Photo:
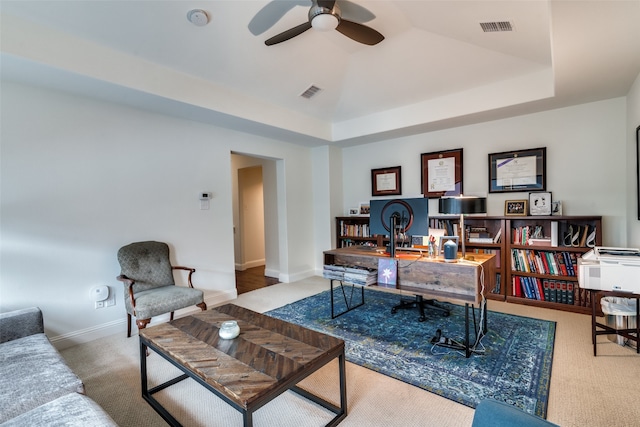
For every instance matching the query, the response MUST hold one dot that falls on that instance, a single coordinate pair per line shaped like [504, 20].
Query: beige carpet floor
[585, 391]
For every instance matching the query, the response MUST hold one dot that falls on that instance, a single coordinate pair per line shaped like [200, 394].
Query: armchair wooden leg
[171, 316]
[142, 323]
[202, 305]
[128, 325]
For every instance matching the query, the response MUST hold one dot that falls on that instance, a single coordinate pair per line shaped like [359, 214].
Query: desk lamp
[462, 205]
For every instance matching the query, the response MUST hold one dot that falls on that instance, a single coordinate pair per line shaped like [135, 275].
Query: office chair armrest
[190, 270]
[128, 284]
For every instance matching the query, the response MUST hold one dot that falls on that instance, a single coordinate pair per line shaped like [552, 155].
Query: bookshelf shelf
[353, 230]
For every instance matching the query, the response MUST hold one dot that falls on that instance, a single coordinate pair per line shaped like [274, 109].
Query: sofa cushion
[20, 323]
[32, 372]
[72, 409]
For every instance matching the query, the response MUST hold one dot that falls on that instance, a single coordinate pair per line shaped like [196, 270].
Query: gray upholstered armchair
[150, 290]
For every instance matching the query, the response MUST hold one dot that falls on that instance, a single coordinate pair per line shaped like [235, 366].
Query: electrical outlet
[111, 301]
[99, 304]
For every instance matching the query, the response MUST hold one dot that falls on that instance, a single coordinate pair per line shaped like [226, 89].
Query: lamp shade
[462, 205]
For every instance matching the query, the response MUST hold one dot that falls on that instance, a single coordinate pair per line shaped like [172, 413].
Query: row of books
[544, 262]
[523, 235]
[355, 230]
[354, 275]
[559, 291]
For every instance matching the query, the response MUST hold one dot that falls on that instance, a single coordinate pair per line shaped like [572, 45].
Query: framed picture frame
[540, 203]
[441, 173]
[556, 207]
[513, 171]
[516, 207]
[354, 211]
[365, 209]
[386, 181]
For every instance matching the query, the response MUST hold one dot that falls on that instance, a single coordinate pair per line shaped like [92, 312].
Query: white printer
[610, 269]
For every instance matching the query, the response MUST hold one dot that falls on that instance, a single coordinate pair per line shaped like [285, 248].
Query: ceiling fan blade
[360, 33]
[289, 34]
[354, 12]
[271, 13]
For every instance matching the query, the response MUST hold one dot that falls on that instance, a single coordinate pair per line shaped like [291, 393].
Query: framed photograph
[354, 211]
[365, 209]
[442, 173]
[556, 208]
[386, 181]
[515, 207]
[512, 171]
[540, 203]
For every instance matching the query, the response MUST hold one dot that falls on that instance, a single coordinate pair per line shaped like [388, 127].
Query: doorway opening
[255, 225]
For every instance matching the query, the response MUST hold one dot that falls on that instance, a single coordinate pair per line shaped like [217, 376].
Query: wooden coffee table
[269, 357]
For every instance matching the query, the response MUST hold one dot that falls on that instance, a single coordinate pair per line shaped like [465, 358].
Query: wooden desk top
[268, 357]
[459, 282]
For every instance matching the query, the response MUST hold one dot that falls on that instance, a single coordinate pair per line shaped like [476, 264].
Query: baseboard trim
[119, 326]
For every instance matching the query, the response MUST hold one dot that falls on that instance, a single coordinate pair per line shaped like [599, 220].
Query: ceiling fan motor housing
[323, 18]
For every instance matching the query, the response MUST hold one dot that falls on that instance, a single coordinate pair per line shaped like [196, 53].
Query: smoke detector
[198, 17]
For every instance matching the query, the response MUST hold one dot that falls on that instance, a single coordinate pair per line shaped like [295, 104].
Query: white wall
[633, 121]
[586, 148]
[81, 178]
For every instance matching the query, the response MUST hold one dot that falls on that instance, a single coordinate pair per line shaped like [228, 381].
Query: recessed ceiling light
[198, 17]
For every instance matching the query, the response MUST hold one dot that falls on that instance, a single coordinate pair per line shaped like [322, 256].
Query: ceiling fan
[323, 15]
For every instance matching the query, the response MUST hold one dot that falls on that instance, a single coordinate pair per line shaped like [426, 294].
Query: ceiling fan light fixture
[325, 22]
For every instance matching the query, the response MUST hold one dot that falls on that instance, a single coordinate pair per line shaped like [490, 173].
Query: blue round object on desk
[450, 251]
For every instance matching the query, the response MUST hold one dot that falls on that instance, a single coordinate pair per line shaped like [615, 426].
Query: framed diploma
[386, 181]
[512, 171]
[442, 173]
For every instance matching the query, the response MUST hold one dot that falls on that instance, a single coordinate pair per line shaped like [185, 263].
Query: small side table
[606, 330]
[350, 304]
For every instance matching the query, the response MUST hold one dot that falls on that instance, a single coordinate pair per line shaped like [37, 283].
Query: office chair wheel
[393, 310]
[445, 314]
[421, 319]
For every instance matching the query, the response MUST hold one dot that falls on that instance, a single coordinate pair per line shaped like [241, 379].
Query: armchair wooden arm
[128, 283]
[190, 270]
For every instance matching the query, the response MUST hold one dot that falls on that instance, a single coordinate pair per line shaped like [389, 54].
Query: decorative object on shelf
[523, 170]
[556, 208]
[442, 173]
[638, 167]
[365, 208]
[229, 330]
[515, 207]
[462, 206]
[386, 181]
[540, 203]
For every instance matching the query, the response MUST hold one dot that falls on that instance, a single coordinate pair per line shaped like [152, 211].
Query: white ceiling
[436, 68]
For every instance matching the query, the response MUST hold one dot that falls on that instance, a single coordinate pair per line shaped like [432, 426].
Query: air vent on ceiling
[496, 26]
[310, 92]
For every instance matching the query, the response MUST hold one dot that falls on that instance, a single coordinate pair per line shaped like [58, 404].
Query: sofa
[37, 388]
[492, 413]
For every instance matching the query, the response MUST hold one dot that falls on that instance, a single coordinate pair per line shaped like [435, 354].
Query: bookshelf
[543, 268]
[525, 260]
[353, 230]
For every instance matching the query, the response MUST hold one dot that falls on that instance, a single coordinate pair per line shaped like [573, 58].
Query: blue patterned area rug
[515, 367]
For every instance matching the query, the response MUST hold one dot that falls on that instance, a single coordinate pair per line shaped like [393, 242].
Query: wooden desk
[459, 282]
